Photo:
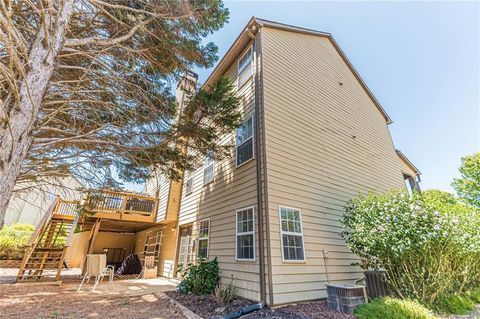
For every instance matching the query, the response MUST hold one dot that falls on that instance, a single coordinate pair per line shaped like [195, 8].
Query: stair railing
[37, 235]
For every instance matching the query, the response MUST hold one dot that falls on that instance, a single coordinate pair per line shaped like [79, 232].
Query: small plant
[226, 294]
[456, 304]
[393, 308]
[200, 278]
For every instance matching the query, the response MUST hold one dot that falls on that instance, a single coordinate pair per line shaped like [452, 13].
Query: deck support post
[91, 242]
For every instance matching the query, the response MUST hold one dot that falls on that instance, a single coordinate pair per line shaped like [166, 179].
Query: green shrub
[13, 239]
[474, 295]
[386, 308]
[428, 244]
[457, 305]
[226, 294]
[200, 278]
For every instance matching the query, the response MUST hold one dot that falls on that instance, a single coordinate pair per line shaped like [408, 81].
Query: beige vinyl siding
[163, 198]
[326, 142]
[233, 188]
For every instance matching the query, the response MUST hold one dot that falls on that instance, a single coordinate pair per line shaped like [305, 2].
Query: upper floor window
[245, 141]
[208, 169]
[292, 234]
[245, 67]
[245, 242]
[188, 182]
[203, 236]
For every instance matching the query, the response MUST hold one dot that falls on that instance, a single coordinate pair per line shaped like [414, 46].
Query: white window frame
[205, 167]
[282, 232]
[204, 238]
[189, 176]
[245, 233]
[250, 49]
[253, 143]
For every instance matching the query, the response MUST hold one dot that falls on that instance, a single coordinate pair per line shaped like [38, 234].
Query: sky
[420, 60]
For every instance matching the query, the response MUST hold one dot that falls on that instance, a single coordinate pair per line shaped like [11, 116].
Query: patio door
[185, 249]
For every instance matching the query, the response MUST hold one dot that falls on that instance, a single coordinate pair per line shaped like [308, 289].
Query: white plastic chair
[97, 267]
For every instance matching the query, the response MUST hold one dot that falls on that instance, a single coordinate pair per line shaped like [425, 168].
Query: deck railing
[66, 208]
[107, 201]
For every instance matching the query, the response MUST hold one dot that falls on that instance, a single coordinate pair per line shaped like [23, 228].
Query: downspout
[261, 244]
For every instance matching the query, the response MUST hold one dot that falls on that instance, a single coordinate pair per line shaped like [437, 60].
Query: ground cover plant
[428, 244]
[393, 308]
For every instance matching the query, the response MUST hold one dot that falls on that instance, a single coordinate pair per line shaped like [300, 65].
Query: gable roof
[408, 162]
[255, 24]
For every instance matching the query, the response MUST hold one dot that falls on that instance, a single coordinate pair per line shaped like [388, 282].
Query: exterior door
[185, 249]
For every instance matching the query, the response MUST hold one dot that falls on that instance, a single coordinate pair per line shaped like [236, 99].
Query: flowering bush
[428, 244]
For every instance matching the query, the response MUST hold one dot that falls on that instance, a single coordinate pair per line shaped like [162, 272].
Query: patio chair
[97, 267]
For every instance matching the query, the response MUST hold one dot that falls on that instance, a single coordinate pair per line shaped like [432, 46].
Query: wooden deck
[124, 206]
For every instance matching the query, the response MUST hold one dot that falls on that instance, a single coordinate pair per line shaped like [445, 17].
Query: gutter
[260, 210]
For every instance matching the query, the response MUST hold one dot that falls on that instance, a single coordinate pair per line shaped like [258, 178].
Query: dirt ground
[142, 299]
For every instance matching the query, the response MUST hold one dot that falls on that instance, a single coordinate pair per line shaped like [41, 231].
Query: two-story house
[313, 137]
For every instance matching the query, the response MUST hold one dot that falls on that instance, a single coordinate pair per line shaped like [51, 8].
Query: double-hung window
[245, 67]
[208, 169]
[292, 234]
[244, 141]
[245, 241]
[203, 236]
[188, 182]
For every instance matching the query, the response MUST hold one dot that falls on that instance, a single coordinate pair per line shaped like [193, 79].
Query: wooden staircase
[49, 242]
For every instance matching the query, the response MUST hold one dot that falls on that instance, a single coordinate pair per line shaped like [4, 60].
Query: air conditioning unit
[345, 297]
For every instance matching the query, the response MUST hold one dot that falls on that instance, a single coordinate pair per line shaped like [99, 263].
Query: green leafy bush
[393, 308]
[474, 294]
[456, 304]
[13, 239]
[200, 278]
[226, 294]
[428, 244]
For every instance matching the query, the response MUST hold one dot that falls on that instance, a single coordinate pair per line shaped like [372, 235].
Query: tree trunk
[16, 140]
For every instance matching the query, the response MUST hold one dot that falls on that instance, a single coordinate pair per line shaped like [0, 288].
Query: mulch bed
[310, 310]
[207, 307]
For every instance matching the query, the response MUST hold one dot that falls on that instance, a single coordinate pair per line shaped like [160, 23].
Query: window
[188, 182]
[411, 184]
[292, 235]
[208, 169]
[245, 242]
[245, 141]
[245, 67]
[203, 235]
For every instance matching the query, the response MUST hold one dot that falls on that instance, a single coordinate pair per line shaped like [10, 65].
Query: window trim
[282, 232]
[251, 116]
[205, 238]
[245, 233]
[213, 171]
[249, 49]
[192, 175]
